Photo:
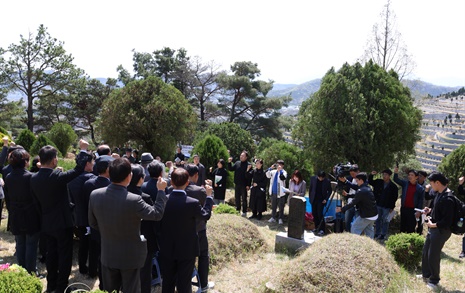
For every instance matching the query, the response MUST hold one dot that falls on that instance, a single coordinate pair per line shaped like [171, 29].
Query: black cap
[103, 161]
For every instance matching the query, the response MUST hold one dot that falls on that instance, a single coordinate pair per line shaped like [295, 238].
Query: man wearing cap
[129, 156]
[386, 194]
[145, 160]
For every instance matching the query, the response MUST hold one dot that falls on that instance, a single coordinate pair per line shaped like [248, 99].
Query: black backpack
[459, 213]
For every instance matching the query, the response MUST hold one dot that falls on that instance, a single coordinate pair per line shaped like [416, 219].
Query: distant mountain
[301, 92]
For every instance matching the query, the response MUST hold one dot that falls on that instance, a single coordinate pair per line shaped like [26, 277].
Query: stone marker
[296, 226]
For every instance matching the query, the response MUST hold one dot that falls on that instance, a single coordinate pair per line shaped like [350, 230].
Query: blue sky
[292, 41]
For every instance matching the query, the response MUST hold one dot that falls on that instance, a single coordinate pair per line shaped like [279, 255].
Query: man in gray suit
[117, 214]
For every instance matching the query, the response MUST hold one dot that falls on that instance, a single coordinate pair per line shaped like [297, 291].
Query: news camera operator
[365, 200]
[351, 183]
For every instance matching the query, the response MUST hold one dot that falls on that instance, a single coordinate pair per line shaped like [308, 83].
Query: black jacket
[23, 209]
[365, 201]
[240, 171]
[385, 197]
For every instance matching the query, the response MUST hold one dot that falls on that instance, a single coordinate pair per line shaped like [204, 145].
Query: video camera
[341, 170]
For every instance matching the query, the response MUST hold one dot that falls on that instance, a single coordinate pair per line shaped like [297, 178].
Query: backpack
[459, 213]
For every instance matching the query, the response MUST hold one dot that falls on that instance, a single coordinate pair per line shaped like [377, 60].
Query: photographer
[439, 224]
[365, 200]
[351, 213]
[277, 176]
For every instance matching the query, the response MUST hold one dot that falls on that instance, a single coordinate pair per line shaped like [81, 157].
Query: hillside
[301, 92]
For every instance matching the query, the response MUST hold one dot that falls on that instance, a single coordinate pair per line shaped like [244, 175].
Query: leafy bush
[40, 142]
[406, 248]
[26, 138]
[63, 136]
[452, 167]
[225, 209]
[16, 279]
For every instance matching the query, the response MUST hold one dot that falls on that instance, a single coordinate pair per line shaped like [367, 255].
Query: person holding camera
[366, 203]
[277, 176]
[351, 183]
[439, 223]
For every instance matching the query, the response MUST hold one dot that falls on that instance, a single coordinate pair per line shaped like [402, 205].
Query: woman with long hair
[297, 185]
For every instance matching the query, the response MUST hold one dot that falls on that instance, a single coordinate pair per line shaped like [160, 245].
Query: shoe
[259, 217]
[382, 237]
[321, 232]
[271, 220]
[420, 276]
[280, 222]
[244, 214]
[253, 217]
[211, 285]
[462, 254]
[432, 286]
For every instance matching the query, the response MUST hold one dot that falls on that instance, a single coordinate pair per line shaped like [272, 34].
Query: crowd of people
[119, 210]
[127, 210]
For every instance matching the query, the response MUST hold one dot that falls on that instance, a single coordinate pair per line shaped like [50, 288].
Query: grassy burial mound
[233, 237]
[341, 263]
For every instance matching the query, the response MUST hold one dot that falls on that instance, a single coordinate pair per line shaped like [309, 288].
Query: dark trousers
[204, 258]
[126, 280]
[26, 250]
[59, 258]
[146, 272]
[83, 252]
[177, 273]
[240, 194]
[430, 262]
[407, 220]
[317, 209]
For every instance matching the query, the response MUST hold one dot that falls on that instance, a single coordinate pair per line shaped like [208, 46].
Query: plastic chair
[156, 279]
[195, 274]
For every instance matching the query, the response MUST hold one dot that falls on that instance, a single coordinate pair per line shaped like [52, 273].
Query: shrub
[16, 279]
[326, 264]
[225, 209]
[406, 249]
[231, 237]
[26, 138]
[40, 142]
[63, 136]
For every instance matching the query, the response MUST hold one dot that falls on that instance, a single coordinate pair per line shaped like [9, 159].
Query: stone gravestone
[296, 224]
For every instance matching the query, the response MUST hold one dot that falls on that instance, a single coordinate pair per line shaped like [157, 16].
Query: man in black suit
[202, 175]
[200, 193]
[48, 186]
[179, 242]
[319, 192]
[80, 208]
[103, 180]
[241, 181]
[117, 214]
